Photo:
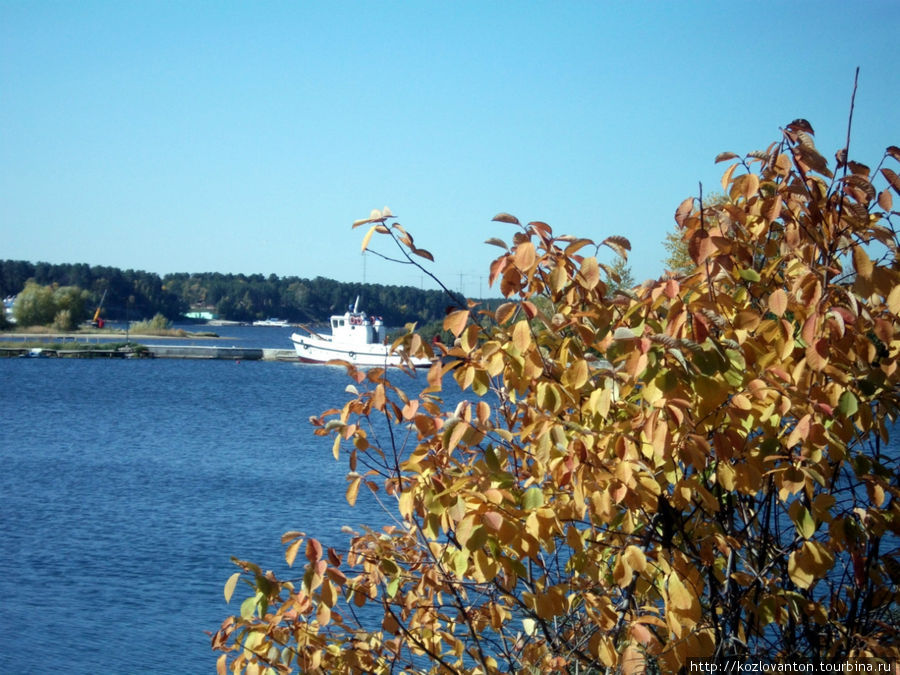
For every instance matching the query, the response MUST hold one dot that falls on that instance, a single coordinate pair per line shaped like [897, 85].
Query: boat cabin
[356, 328]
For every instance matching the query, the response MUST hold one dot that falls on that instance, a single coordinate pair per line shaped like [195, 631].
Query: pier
[222, 353]
[156, 351]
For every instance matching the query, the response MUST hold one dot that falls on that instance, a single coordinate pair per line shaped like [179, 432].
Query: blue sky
[248, 136]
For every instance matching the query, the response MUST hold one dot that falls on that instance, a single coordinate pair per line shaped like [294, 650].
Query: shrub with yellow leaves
[697, 467]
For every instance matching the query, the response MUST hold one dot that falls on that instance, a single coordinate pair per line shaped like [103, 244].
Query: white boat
[356, 338]
[279, 323]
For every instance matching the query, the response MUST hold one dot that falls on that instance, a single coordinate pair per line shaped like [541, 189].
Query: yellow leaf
[810, 562]
[725, 476]
[558, 278]
[365, 241]
[622, 572]
[862, 263]
[726, 178]
[893, 300]
[797, 572]
[353, 490]
[635, 558]
[290, 552]
[230, 584]
[599, 401]
[679, 596]
[576, 375]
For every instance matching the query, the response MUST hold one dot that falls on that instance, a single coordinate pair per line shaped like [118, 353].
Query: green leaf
[532, 499]
[392, 586]
[802, 520]
[247, 607]
[847, 404]
[749, 275]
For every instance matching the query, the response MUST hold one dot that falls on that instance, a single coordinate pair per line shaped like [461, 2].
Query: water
[126, 487]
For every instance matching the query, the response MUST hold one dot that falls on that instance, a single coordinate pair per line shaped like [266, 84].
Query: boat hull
[311, 349]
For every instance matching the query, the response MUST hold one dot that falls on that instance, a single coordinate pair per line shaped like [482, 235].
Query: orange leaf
[683, 211]
[455, 322]
[290, 552]
[778, 301]
[589, 275]
[521, 335]
[525, 256]
[313, 550]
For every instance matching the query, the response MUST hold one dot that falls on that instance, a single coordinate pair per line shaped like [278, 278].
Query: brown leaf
[422, 253]
[725, 156]
[840, 157]
[504, 312]
[858, 169]
[506, 218]
[810, 157]
[618, 244]
[863, 185]
[493, 241]
[893, 179]
[894, 152]
[800, 125]
[541, 227]
[885, 200]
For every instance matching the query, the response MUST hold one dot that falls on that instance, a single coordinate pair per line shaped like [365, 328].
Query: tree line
[134, 294]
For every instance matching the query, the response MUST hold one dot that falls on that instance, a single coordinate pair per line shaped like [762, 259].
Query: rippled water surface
[127, 485]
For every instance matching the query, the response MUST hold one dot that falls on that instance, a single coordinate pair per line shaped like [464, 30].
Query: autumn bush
[696, 467]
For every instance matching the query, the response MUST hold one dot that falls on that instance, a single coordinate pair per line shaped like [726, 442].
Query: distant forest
[133, 295]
